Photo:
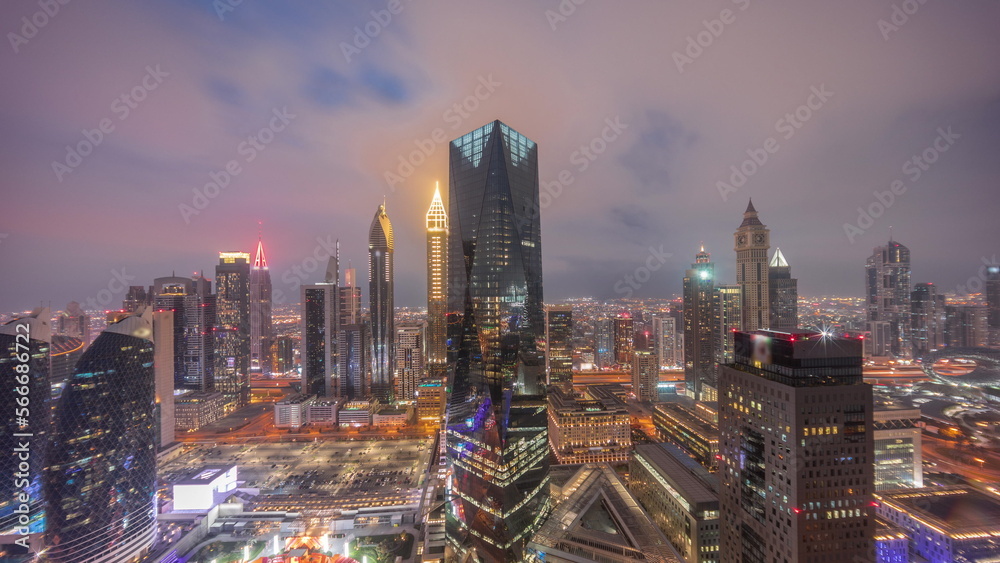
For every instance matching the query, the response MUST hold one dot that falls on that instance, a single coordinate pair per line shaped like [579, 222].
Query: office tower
[796, 475]
[24, 369]
[354, 358]
[728, 316]
[380, 306]
[75, 322]
[431, 396]
[666, 341]
[282, 354]
[193, 304]
[888, 295]
[320, 323]
[965, 326]
[100, 482]
[604, 344]
[497, 438]
[993, 303]
[437, 281]
[690, 426]
[594, 428]
[623, 333]
[645, 376]
[752, 243]
[232, 348]
[137, 296]
[898, 448]
[409, 364]
[680, 496]
[260, 312]
[699, 325]
[64, 353]
[350, 299]
[927, 319]
[163, 373]
[559, 346]
[783, 294]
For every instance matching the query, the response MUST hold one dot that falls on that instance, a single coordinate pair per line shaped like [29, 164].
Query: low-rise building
[679, 423]
[292, 412]
[431, 393]
[898, 457]
[198, 408]
[391, 417]
[591, 428]
[357, 413]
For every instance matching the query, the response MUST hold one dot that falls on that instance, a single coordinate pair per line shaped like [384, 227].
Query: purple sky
[556, 79]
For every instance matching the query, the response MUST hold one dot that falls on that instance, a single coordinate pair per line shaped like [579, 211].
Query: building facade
[196, 409]
[594, 428]
[753, 240]
[319, 353]
[232, 348]
[645, 376]
[699, 325]
[559, 345]
[410, 361]
[927, 318]
[437, 281]
[261, 331]
[381, 310]
[888, 289]
[783, 294]
[898, 448]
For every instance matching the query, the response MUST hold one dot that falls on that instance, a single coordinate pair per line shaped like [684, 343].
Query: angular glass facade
[496, 429]
[24, 370]
[380, 306]
[232, 351]
[100, 482]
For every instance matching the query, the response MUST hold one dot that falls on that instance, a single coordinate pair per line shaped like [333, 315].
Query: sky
[655, 121]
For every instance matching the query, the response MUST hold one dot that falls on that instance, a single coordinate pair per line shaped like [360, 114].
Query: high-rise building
[888, 295]
[752, 243]
[592, 428]
[137, 296]
[496, 438]
[232, 348]
[282, 354]
[260, 312]
[559, 346]
[163, 372]
[623, 329]
[645, 376]
[320, 309]
[380, 306]
[699, 325]
[24, 369]
[437, 281]
[350, 299]
[783, 294]
[354, 358]
[927, 319]
[604, 344]
[193, 304]
[965, 325]
[100, 482]
[64, 353]
[74, 322]
[409, 363]
[796, 474]
[898, 448]
[728, 316]
[992, 290]
[666, 342]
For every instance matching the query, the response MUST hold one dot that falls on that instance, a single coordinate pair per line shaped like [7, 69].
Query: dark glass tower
[699, 317]
[24, 370]
[193, 304]
[260, 312]
[380, 306]
[320, 324]
[496, 428]
[100, 482]
[783, 293]
[888, 294]
[927, 319]
[232, 350]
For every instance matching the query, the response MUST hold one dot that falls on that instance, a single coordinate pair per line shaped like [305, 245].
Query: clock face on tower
[758, 238]
[741, 240]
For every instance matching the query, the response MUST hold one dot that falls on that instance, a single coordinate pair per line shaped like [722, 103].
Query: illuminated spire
[437, 218]
[702, 257]
[260, 263]
[778, 260]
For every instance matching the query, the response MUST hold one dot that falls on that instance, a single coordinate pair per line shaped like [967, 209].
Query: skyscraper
[783, 293]
[437, 281]
[752, 243]
[354, 358]
[699, 317]
[645, 376]
[965, 325]
[409, 363]
[888, 295]
[350, 298]
[320, 325]
[993, 303]
[496, 428]
[380, 305]
[75, 322]
[100, 482]
[604, 347]
[232, 350]
[796, 476]
[163, 372]
[559, 346]
[623, 330]
[260, 312]
[728, 316]
[24, 369]
[667, 344]
[193, 304]
[927, 319]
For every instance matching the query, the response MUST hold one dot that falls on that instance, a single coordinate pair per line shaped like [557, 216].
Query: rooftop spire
[437, 217]
[778, 260]
[260, 262]
[750, 208]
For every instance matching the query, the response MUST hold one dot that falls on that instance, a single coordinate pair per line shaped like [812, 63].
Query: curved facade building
[380, 306]
[24, 370]
[100, 481]
[497, 435]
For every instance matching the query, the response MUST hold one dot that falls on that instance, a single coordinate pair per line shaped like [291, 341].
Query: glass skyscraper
[100, 482]
[260, 312]
[380, 306]
[888, 288]
[699, 312]
[497, 427]
[232, 351]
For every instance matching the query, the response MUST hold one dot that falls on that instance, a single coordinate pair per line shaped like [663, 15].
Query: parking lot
[342, 467]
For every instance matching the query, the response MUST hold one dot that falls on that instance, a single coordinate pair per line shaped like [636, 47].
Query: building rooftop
[205, 474]
[954, 509]
[689, 477]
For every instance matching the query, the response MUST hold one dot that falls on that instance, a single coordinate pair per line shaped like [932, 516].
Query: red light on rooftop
[797, 510]
[874, 503]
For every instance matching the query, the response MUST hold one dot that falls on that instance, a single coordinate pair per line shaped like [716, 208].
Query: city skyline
[666, 138]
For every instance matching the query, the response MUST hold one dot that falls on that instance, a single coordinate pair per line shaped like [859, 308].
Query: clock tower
[753, 241]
